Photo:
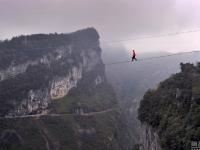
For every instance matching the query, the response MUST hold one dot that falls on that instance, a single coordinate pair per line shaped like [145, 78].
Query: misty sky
[114, 20]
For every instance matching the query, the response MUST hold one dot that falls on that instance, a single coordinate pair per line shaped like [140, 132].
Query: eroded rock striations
[59, 74]
[149, 138]
[60, 65]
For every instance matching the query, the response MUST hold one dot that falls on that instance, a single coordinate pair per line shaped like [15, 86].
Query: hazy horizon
[114, 20]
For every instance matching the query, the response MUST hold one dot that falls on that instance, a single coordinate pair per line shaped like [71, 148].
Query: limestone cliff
[59, 74]
[60, 64]
[149, 138]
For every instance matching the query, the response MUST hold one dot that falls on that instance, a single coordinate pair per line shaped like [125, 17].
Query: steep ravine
[132, 80]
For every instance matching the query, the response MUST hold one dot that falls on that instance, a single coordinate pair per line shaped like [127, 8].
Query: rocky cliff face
[61, 66]
[57, 74]
[149, 138]
[170, 113]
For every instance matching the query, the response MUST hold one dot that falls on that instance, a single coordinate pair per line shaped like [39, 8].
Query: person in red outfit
[134, 56]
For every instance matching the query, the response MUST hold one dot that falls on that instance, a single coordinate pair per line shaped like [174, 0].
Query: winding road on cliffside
[63, 114]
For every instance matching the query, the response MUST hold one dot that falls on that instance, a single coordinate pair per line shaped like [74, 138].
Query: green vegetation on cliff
[25, 48]
[22, 49]
[70, 132]
[173, 109]
[86, 117]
